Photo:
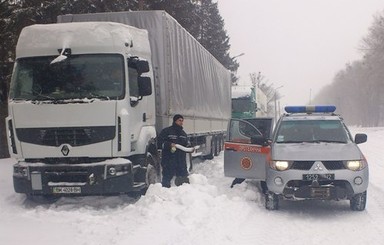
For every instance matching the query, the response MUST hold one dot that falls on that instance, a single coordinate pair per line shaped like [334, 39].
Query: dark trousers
[170, 170]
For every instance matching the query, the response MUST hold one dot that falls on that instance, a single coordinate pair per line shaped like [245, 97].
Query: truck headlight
[356, 165]
[280, 165]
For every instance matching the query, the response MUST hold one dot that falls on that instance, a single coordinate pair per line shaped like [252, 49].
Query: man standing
[173, 160]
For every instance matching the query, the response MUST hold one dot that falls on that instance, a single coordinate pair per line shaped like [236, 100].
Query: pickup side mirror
[145, 87]
[360, 138]
[259, 140]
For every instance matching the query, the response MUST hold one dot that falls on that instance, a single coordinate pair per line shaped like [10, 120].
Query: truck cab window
[77, 77]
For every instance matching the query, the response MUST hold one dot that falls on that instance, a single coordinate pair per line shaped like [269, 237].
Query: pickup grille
[333, 165]
[306, 165]
[74, 136]
[302, 165]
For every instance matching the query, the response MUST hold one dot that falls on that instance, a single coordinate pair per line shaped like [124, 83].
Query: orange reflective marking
[247, 148]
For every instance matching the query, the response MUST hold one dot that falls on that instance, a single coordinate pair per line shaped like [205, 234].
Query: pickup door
[246, 150]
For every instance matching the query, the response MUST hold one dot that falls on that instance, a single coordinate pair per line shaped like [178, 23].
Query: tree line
[358, 89]
[201, 18]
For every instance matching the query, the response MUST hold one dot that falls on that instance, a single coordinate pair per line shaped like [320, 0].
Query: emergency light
[310, 109]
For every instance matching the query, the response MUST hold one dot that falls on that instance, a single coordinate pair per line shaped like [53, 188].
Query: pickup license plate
[66, 189]
[312, 177]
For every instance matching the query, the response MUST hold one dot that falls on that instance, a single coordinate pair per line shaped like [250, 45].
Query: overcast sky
[297, 44]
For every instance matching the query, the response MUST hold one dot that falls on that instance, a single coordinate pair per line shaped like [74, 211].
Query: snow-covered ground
[205, 212]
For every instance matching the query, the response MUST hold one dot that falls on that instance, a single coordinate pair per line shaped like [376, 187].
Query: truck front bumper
[101, 178]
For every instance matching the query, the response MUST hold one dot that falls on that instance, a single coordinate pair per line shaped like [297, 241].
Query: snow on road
[205, 212]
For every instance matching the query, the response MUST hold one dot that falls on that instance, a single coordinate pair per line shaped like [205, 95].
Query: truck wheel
[271, 201]
[152, 174]
[358, 201]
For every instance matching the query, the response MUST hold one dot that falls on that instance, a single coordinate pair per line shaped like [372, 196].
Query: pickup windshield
[98, 76]
[312, 131]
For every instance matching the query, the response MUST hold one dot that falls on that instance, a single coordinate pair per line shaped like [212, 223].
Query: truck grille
[74, 136]
[306, 165]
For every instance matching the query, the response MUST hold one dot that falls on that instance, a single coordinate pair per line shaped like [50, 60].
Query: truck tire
[271, 201]
[152, 175]
[358, 201]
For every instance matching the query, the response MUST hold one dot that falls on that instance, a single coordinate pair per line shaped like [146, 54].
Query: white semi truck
[89, 97]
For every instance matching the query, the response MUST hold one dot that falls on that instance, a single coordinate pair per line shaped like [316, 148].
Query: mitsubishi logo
[318, 167]
[65, 150]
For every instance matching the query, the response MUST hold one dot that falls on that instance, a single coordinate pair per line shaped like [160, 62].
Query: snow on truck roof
[83, 37]
[241, 92]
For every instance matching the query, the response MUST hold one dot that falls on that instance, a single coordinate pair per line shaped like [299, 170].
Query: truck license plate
[66, 189]
[312, 177]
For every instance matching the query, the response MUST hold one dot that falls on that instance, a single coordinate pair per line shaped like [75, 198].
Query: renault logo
[318, 167]
[65, 150]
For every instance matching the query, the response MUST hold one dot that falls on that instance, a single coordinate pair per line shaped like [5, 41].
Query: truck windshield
[297, 131]
[77, 77]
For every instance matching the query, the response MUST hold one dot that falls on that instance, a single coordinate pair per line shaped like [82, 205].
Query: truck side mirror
[145, 87]
[360, 138]
[142, 66]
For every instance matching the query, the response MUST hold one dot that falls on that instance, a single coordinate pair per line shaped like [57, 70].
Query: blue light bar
[310, 109]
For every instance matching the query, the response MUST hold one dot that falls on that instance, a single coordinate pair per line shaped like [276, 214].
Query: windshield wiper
[98, 96]
[290, 142]
[333, 141]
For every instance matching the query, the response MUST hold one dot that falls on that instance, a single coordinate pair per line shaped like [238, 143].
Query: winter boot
[179, 180]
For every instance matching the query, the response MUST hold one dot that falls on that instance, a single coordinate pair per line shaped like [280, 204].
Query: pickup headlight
[280, 165]
[356, 165]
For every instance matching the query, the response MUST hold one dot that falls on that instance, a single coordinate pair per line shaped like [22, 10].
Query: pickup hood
[48, 115]
[315, 151]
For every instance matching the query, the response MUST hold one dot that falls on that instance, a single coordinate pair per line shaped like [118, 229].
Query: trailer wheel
[211, 153]
[216, 146]
[220, 143]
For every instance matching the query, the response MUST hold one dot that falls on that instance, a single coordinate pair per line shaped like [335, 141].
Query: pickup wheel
[358, 201]
[271, 201]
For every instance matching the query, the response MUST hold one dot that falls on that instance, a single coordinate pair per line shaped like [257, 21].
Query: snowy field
[205, 212]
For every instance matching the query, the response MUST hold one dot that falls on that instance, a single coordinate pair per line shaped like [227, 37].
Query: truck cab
[81, 94]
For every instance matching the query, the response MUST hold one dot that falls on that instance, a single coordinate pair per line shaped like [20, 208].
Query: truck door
[245, 154]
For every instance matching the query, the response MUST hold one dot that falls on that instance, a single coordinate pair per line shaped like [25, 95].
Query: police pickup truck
[310, 155]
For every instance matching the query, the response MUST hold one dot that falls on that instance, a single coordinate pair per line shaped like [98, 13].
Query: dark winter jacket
[173, 134]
